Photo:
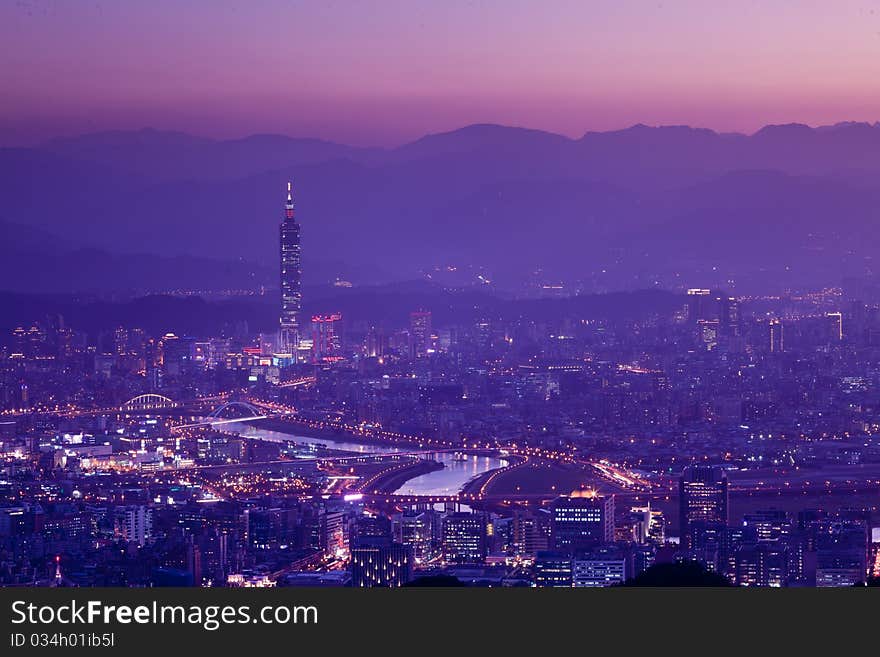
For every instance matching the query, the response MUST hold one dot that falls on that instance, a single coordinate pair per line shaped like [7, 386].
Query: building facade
[291, 277]
[703, 497]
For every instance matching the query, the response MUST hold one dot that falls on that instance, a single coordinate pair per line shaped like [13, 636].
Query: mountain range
[646, 206]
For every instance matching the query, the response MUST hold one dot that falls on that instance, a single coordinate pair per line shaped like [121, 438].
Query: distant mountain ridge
[617, 209]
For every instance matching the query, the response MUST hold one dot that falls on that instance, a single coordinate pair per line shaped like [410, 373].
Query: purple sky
[379, 73]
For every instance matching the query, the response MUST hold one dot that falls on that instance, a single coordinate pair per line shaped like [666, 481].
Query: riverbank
[291, 426]
[447, 472]
[389, 482]
[475, 486]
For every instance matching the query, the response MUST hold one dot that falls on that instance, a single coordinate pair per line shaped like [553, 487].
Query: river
[448, 481]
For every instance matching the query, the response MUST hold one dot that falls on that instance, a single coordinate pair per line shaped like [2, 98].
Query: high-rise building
[120, 340]
[464, 538]
[841, 552]
[707, 543]
[702, 496]
[334, 538]
[134, 523]
[531, 532]
[582, 520]
[730, 316]
[269, 528]
[371, 526]
[761, 564]
[552, 569]
[698, 304]
[291, 277]
[414, 528]
[771, 525]
[325, 337]
[375, 343]
[640, 518]
[835, 326]
[708, 331]
[776, 336]
[419, 333]
[379, 562]
[603, 566]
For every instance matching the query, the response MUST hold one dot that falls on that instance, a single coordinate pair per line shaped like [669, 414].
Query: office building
[761, 564]
[581, 520]
[699, 304]
[730, 316]
[552, 569]
[703, 496]
[776, 336]
[771, 525]
[134, 523]
[326, 346]
[600, 567]
[413, 528]
[464, 538]
[380, 562]
[419, 333]
[841, 552]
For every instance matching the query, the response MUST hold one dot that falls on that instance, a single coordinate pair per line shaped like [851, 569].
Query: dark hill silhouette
[436, 581]
[686, 573]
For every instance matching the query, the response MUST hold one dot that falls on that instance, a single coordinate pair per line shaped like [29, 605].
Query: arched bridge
[148, 402]
[220, 416]
[218, 412]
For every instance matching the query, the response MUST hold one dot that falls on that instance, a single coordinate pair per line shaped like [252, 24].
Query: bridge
[296, 383]
[148, 402]
[461, 498]
[216, 416]
[235, 404]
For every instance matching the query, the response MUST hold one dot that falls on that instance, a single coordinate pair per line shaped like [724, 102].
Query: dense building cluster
[769, 401]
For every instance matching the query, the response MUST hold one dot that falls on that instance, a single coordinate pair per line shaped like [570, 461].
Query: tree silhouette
[435, 580]
[685, 573]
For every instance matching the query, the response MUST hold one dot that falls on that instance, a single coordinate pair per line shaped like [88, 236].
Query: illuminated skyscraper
[703, 497]
[835, 326]
[464, 538]
[291, 277]
[325, 338]
[379, 562]
[420, 333]
[603, 566]
[730, 316]
[552, 569]
[841, 552]
[581, 520]
[776, 335]
[698, 302]
[708, 333]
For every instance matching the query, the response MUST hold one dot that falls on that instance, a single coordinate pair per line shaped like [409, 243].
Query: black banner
[400, 621]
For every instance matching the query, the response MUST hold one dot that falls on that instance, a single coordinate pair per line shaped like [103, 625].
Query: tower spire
[288, 206]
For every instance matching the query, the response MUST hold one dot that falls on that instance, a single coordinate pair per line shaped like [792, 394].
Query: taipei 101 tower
[291, 277]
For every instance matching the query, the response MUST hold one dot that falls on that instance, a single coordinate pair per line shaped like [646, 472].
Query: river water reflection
[447, 481]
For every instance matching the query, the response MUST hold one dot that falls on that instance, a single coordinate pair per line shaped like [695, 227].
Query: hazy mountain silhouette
[164, 155]
[32, 260]
[651, 200]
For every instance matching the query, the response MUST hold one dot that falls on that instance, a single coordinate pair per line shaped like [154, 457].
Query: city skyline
[501, 312]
